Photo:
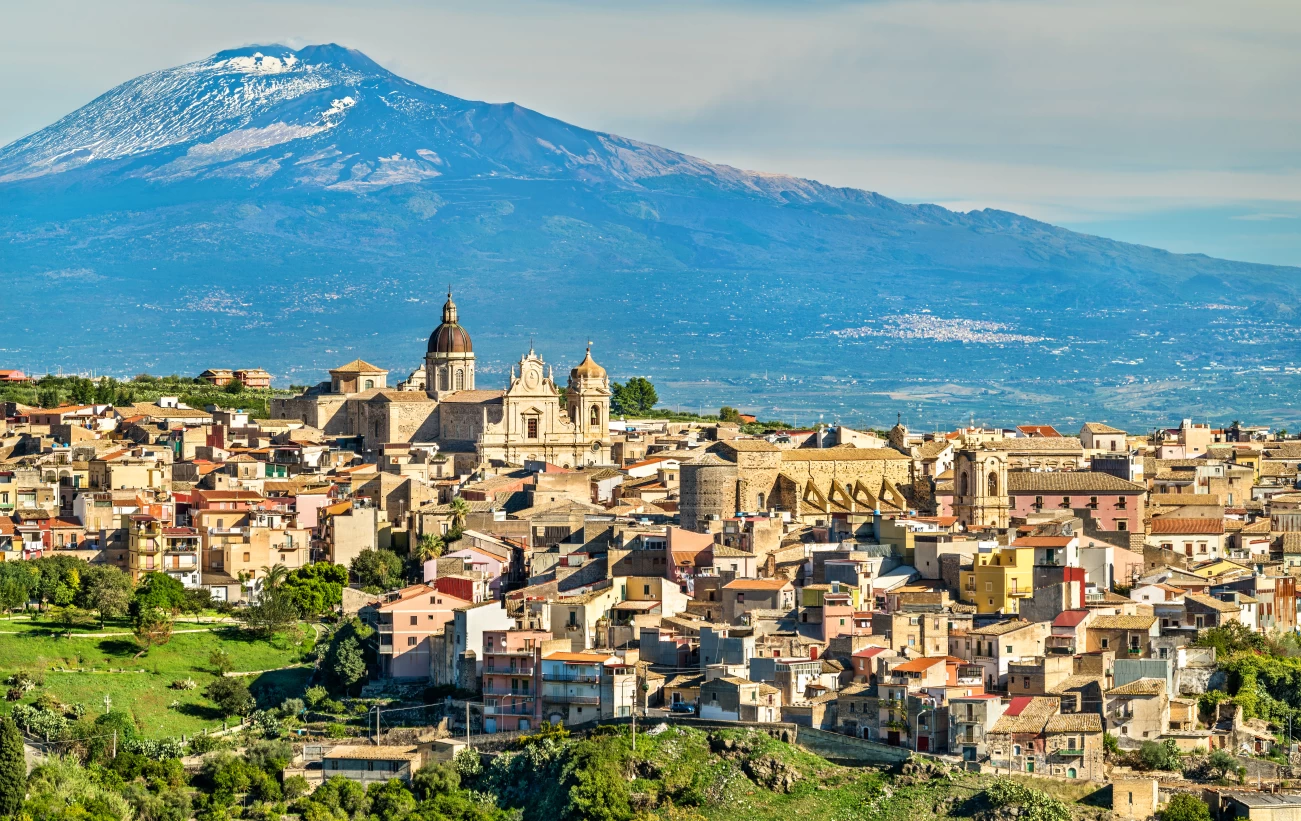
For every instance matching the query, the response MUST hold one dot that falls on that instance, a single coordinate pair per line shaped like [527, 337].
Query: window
[1120, 503]
[1105, 643]
[246, 557]
[411, 641]
[443, 379]
[532, 425]
[1038, 502]
[370, 383]
[594, 416]
[993, 483]
[1066, 502]
[760, 500]
[1008, 649]
[962, 484]
[1121, 524]
[415, 620]
[1016, 749]
[1093, 502]
[460, 379]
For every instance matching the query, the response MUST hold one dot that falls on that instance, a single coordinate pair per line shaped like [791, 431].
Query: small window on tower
[595, 419]
[532, 425]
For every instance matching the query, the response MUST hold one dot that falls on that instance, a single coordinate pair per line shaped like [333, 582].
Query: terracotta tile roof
[1188, 527]
[756, 584]
[475, 397]
[1212, 602]
[842, 454]
[1070, 618]
[1071, 443]
[1043, 541]
[919, 665]
[1077, 481]
[358, 366]
[579, 658]
[1122, 622]
[1139, 687]
[1031, 717]
[1098, 427]
[999, 629]
[1074, 723]
[366, 752]
[1073, 683]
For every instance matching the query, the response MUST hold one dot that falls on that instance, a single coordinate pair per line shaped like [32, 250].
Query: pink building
[406, 621]
[512, 671]
[1113, 503]
[839, 618]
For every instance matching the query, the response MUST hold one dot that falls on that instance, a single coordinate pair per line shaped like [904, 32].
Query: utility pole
[467, 721]
[115, 744]
[634, 728]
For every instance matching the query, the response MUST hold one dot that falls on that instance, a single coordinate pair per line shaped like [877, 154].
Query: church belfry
[588, 399]
[449, 362]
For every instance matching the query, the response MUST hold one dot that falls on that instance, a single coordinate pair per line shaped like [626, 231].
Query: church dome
[587, 369]
[450, 337]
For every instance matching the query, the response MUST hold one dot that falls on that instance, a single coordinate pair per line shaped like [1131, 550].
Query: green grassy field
[77, 670]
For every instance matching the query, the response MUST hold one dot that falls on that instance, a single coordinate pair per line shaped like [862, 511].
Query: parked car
[682, 707]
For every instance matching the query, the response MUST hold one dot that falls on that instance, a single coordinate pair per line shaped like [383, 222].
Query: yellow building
[999, 579]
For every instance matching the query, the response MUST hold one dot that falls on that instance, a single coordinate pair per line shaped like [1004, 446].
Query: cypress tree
[13, 768]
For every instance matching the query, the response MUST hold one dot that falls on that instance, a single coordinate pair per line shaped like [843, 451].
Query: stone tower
[588, 399]
[449, 362]
[980, 496]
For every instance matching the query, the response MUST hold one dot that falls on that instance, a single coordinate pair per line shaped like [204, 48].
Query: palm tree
[460, 509]
[429, 547]
[273, 577]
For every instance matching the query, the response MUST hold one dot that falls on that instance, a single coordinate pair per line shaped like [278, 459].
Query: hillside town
[1020, 599]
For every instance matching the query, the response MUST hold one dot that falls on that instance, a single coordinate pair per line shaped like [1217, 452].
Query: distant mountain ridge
[247, 202]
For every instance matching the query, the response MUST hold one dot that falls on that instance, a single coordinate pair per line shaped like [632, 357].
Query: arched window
[442, 379]
[460, 379]
[962, 484]
[993, 483]
[760, 501]
[370, 383]
[595, 416]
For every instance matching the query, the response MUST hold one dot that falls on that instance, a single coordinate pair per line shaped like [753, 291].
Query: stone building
[844, 485]
[471, 427]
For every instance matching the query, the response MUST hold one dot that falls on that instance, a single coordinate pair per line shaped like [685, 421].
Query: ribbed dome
[587, 369]
[450, 337]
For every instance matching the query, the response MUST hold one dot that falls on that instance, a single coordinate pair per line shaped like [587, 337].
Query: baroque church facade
[528, 420]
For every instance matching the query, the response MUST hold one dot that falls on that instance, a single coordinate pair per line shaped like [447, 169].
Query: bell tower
[588, 399]
[980, 495]
[449, 362]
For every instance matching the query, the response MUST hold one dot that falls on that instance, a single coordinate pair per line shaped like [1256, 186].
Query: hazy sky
[1176, 124]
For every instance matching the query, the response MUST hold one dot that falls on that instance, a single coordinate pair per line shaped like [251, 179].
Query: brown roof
[1074, 723]
[1122, 622]
[367, 752]
[475, 397]
[756, 584]
[1188, 527]
[1098, 427]
[842, 454]
[1031, 719]
[1082, 481]
[999, 629]
[1071, 443]
[1212, 602]
[1139, 687]
[358, 366]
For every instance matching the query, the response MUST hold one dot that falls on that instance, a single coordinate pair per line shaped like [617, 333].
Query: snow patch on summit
[259, 63]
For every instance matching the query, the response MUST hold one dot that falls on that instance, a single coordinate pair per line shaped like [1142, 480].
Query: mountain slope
[297, 206]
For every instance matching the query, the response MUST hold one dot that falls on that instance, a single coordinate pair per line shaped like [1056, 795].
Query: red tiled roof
[1188, 527]
[1070, 618]
[1018, 704]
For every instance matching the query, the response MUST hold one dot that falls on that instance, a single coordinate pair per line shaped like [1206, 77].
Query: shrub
[337, 730]
[1185, 807]
[1034, 805]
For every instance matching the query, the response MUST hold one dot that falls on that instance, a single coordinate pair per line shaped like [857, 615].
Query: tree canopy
[635, 396]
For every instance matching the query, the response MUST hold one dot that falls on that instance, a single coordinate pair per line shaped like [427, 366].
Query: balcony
[566, 698]
[507, 692]
[386, 649]
[1070, 752]
[385, 628]
[585, 678]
